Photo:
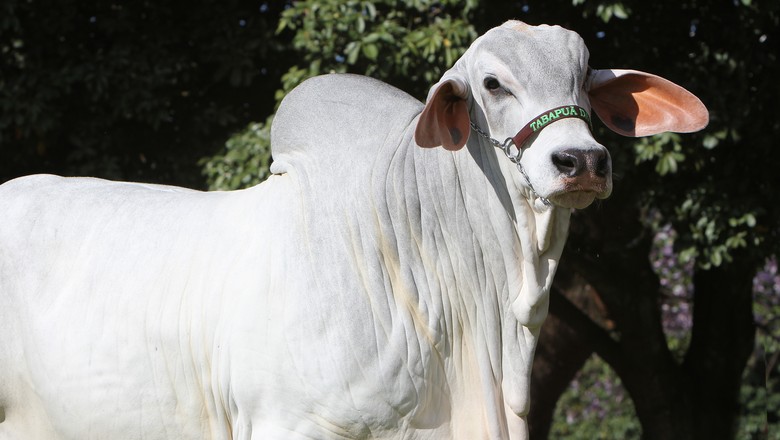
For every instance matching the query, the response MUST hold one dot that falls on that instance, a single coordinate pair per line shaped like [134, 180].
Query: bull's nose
[573, 162]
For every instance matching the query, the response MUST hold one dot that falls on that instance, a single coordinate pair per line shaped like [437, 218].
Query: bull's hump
[340, 118]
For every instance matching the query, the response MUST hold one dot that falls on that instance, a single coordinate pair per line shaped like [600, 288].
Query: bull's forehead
[550, 59]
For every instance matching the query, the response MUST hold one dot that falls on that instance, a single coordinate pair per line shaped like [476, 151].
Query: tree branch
[599, 339]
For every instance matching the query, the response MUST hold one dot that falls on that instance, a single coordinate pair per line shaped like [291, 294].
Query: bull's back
[111, 300]
[55, 228]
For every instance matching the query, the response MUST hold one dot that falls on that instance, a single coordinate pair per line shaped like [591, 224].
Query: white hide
[369, 289]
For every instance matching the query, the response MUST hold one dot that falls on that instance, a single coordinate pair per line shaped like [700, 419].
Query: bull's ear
[634, 103]
[445, 119]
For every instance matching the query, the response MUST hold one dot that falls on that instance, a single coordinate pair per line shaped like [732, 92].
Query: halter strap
[547, 118]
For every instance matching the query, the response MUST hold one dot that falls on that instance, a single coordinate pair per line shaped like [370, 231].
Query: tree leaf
[371, 51]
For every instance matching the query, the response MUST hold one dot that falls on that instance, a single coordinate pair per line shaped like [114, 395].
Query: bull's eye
[492, 83]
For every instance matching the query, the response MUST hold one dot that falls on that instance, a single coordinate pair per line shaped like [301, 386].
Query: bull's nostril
[573, 162]
[603, 166]
[566, 163]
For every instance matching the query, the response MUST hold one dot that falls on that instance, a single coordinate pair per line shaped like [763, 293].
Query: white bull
[369, 289]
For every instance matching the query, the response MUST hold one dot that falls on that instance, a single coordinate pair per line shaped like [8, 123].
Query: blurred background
[665, 316]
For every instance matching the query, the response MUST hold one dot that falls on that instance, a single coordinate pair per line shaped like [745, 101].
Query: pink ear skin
[634, 103]
[445, 119]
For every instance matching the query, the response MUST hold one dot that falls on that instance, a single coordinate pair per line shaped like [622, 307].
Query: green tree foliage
[760, 390]
[417, 39]
[245, 159]
[697, 177]
[596, 406]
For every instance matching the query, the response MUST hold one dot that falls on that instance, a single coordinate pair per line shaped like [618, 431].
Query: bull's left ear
[634, 103]
[445, 119]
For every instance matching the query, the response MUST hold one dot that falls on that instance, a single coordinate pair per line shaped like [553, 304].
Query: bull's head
[529, 90]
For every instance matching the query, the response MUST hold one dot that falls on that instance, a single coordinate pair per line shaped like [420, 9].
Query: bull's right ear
[445, 119]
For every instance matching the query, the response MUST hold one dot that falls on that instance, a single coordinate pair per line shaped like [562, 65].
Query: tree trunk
[641, 357]
[560, 354]
[610, 248]
[695, 400]
[723, 339]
